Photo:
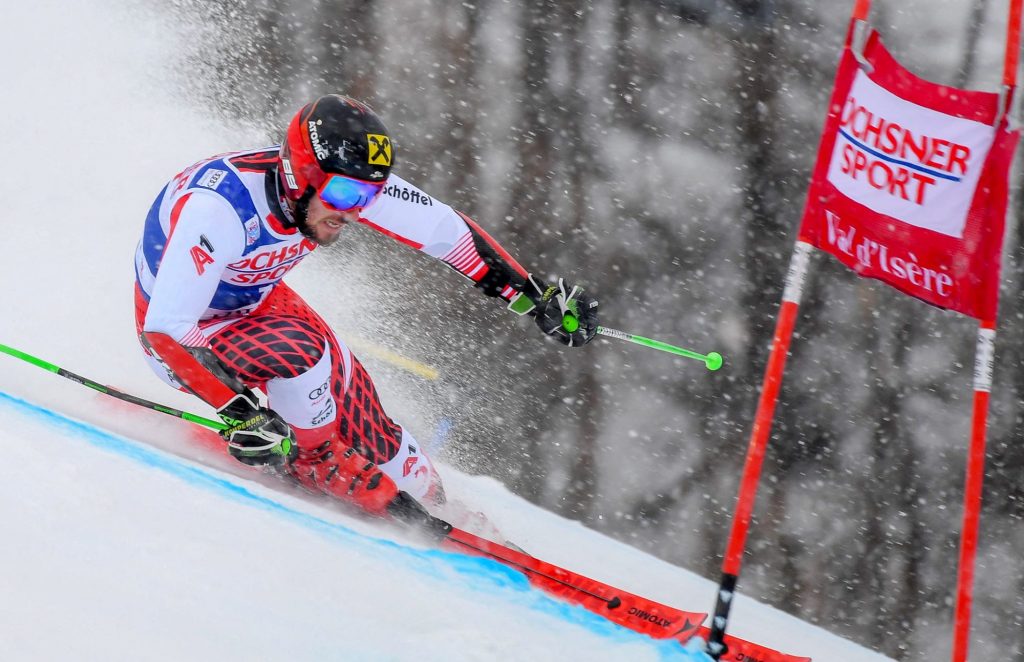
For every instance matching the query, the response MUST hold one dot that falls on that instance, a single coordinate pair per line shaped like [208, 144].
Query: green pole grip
[28, 358]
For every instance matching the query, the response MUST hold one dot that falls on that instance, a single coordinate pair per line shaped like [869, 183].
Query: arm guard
[494, 271]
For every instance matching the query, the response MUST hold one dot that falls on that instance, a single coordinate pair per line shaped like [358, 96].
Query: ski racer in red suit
[216, 319]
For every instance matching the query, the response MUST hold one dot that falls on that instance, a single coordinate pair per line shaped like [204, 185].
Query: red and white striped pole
[762, 427]
[758, 444]
[983, 360]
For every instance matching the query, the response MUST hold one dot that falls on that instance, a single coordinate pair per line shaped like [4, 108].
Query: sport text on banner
[910, 183]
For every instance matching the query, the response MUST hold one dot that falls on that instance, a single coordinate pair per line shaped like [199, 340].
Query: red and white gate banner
[910, 183]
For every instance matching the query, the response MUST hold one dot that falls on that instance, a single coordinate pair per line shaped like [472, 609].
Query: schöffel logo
[406, 194]
[314, 139]
[324, 415]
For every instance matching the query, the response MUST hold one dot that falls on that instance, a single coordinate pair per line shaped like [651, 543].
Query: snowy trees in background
[659, 151]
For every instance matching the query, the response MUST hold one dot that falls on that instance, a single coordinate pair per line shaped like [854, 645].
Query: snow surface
[118, 549]
[130, 552]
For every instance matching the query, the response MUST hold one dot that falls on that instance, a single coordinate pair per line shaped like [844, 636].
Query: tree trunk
[462, 37]
[348, 45]
[965, 73]
[529, 211]
[895, 537]
[580, 494]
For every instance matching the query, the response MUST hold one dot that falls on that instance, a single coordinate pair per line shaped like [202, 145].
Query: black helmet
[334, 135]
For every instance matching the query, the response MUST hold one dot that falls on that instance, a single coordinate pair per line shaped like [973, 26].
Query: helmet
[334, 135]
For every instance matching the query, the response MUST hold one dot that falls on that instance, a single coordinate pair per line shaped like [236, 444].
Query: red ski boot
[344, 474]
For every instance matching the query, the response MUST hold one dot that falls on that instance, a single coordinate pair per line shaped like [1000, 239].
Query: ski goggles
[342, 193]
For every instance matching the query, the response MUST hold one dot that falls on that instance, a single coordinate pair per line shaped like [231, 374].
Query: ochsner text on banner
[908, 162]
[910, 183]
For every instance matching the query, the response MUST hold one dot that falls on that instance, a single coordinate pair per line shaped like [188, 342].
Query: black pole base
[716, 639]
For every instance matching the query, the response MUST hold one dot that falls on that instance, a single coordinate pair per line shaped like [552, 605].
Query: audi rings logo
[319, 391]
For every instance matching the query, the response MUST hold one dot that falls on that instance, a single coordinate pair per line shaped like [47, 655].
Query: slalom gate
[910, 188]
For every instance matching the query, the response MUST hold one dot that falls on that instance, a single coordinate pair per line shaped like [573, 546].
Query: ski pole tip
[713, 361]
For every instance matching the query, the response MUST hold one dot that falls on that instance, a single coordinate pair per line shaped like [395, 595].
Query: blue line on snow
[429, 562]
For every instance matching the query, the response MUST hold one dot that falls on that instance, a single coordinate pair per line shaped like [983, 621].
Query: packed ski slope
[132, 552]
[126, 536]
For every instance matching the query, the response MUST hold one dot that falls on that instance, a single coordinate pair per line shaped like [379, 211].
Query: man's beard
[310, 233]
[307, 231]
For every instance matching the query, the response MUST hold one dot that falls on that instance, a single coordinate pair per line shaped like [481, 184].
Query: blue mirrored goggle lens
[343, 193]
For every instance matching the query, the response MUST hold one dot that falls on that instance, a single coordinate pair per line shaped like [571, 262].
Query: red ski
[626, 609]
[630, 611]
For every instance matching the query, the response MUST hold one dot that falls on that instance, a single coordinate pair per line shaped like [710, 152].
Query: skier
[215, 318]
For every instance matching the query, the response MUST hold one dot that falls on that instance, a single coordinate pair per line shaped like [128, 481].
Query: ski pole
[712, 360]
[112, 392]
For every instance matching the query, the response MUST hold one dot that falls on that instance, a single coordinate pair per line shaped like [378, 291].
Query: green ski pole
[712, 360]
[114, 393]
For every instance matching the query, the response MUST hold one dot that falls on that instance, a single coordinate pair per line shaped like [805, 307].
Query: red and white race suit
[209, 267]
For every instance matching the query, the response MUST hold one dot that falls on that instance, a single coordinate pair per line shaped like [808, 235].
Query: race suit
[215, 317]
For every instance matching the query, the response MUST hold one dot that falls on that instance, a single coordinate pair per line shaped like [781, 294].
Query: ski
[620, 607]
[631, 611]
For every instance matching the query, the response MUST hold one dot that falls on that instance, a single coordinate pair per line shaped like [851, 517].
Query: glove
[255, 436]
[564, 312]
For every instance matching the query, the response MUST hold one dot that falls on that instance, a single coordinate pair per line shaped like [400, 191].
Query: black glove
[255, 436]
[564, 312]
